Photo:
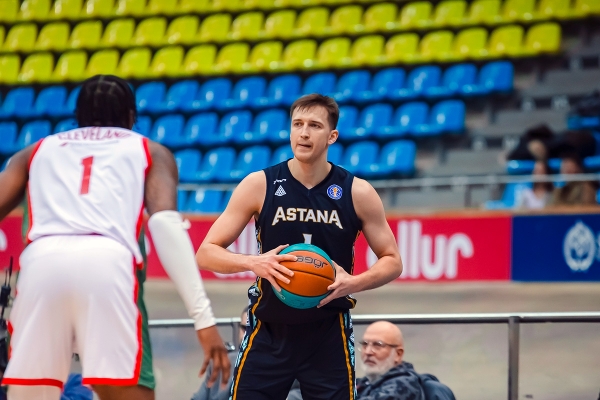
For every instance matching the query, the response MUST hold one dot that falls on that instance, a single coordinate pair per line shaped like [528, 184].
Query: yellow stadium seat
[401, 48]
[345, 19]
[2, 34]
[298, 54]
[484, 12]
[553, 9]
[415, 15]
[9, 68]
[227, 5]
[215, 28]
[86, 35]
[199, 60]
[470, 43]
[99, 8]
[264, 56]
[53, 36]
[518, 10]
[280, 24]
[130, 7]
[157, 7]
[583, 8]
[134, 63]
[21, 37]
[34, 9]
[246, 26]
[449, 13]
[505, 41]
[166, 62]
[366, 50]
[37, 68]
[118, 33]
[542, 38]
[380, 17]
[332, 52]
[103, 62]
[231, 58]
[262, 4]
[9, 10]
[189, 6]
[70, 67]
[297, 3]
[436, 46]
[182, 30]
[66, 9]
[150, 32]
[312, 21]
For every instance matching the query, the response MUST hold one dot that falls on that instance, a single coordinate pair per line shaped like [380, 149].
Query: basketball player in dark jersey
[303, 200]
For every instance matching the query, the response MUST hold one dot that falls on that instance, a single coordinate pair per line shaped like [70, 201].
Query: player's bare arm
[380, 238]
[245, 203]
[13, 181]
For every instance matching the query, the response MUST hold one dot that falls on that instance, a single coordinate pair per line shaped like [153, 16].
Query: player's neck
[309, 174]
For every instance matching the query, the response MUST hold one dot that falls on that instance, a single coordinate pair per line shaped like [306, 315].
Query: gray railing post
[513, 358]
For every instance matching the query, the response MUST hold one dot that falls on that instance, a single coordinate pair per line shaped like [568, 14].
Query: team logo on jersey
[279, 180]
[335, 192]
[280, 192]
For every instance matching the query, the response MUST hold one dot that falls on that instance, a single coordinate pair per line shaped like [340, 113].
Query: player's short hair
[105, 100]
[318, 100]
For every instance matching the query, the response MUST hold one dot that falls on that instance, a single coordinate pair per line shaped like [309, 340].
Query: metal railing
[513, 320]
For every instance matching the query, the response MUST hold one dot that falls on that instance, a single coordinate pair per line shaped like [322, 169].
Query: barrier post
[513, 358]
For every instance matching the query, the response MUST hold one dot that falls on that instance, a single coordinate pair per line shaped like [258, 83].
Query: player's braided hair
[105, 100]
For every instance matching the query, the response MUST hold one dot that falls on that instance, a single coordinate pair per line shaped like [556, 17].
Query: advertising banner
[556, 248]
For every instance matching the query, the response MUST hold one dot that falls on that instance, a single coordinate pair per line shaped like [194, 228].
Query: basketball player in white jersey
[77, 290]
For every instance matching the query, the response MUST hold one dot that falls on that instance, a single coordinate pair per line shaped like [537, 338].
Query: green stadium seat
[199, 60]
[436, 46]
[34, 10]
[118, 33]
[366, 50]
[158, 7]
[2, 35]
[66, 9]
[215, 28]
[298, 54]
[401, 48]
[262, 4]
[134, 63]
[130, 7]
[583, 8]
[449, 13]
[103, 62]
[99, 8]
[21, 37]
[332, 52]
[415, 15]
[470, 43]
[297, 3]
[231, 58]
[70, 67]
[505, 41]
[380, 17]
[228, 5]
[246, 26]
[191, 6]
[9, 10]
[166, 62]
[264, 57]
[150, 32]
[280, 24]
[37, 68]
[344, 20]
[542, 38]
[312, 21]
[548, 9]
[53, 36]
[182, 30]
[518, 10]
[9, 68]
[86, 35]
[484, 12]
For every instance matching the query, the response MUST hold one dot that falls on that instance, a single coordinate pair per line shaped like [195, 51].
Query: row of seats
[204, 201]
[370, 50]
[419, 13]
[255, 92]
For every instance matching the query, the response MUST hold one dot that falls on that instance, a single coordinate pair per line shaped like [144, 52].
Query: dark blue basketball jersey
[323, 216]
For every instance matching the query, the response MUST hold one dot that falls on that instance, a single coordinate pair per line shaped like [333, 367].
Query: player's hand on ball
[268, 266]
[215, 351]
[343, 285]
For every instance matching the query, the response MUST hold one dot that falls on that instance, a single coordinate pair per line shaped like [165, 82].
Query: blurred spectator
[532, 145]
[582, 143]
[574, 193]
[387, 376]
[537, 197]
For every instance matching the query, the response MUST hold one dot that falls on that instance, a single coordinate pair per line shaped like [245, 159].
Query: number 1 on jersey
[87, 174]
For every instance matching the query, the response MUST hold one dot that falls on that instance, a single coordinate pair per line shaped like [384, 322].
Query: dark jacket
[399, 383]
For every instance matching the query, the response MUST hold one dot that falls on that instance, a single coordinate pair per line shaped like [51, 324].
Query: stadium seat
[379, 17]
[69, 108]
[418, 82]
[322, 83]
[283, 89]
[199, 60]
[130, 7]
[518, 10]
[142, 125]
[9, 10]
[134, 63]
[298, 54]
[233, 125]
[229, 5]
[542, 38]
[246, 26]
[211, 94]
[370, 120]
[455, 78]
[53, 36]
[31, 132]
[493, 77]
[415, 15]
[346, 122]
[206, 201]
[519, 167]
[9, 68]
[150, 32]
[65, 125]
[383, 83]
[469, 43]
[8, 136]
[331, 53]
[264, 56]
[582, 8]
[21, 37]
[592, 163]
[167, 130]
[216, 163]
[34, 10]
[66, 9]
[446, 117]
[405, 120]
[149, 96]
[351, 83]
[505, 41]
[281, 154]
[180, 93]
[182, 29]
[509, 196]
[215, 28]
[18, 102]
[250, 159]
[50, 101]
[311, 22]
[267, 124]
[449, 13]
[231, 58]
[359, 156]
[188, 162]
[37, 67]
[436, 46]
[401, 49]
[161, 7]
[99, 8]
[2, 35]
[182, 200]
[280, 24]
[197, 127]
[344, 20]
[484, 12]
[244, 92]
[366, 50]
[194, 6]
[86, 35]
[548, 9]
[166, 62]
[334, 153]
[118, 33]
[396, 159]
[103, 62]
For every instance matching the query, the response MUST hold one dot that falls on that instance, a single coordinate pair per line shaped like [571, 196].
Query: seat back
[32, 132]
[296, 53]
[188, 162]
[284, 86]
[231, 57]
[553, 8]
[249, 88]
[130, 7]
[21, 37]
[18, 101]
[353, 82]
[398, 157]
[280, 24]
[50, 100]
[37, 67]
[366, 49]
[470, 43]
[86, 35]
[543, 38]
[359, 156]
[459, 75]
[281, 154]
[518, 10]
[215, 90]
[53, 36]
[422, 78]
[200, 126]
[247, 26]
[9, 10]
[344, 19]
[435, 44]
[375, 116]
[410, 115]
[401, 47]
[332, 51]
[415, 15]
[334, 153]
[8, 136]
[450, 13]
[166, 62]
[35, 9]
[498, 76]
[167, 129]
[484, 11]
[118, 33]
[347, 119]
[150, 32]
[142, 125]
[449, 116]
[388, 80]
[215, 28]
[181, 93]
[218, 163]
[506, 40]
[379, 17]
[269, 122]
[264, 54]
[312, 21]
[65, 125]
[322, 82]
[70, 66]
[252, 159]
[199, 59]
[149, 96]
[98, 8]
[103, 62]
[9, 68]
[205, 201]
[134, 63]
[235, 124]
[182, 29]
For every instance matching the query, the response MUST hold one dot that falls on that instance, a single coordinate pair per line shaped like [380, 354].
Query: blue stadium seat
[322, 83]
[520, 167]
[199, 128]
[350, 84]
[65, 125]
[233, 124]
[592, 163]
[583, 122]
[267, 124]
[205, 201]
[244, 92]
[371, 119]
[149, 96]
[8, 136]
[249, 160]
[216, 164]
[395, 159]
[554, 164]
[142, 125]
[179, 94]
[18, 102]
[493, 77]
[225, 201]
[359, 156]
[31, 132]
[454, 79]
[69, 108]
[284, 89]
[334, 153]
[50, 101]
[384, 82]
[347, 121]
[167, 130]
[282, 154]
[418, 81]
[446, 117]
[188, 162]
[282, 135]
[182, 196]
[406, 118]
[509, 196]
[211, 94]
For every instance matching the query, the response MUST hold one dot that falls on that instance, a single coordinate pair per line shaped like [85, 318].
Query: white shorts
[75, 294]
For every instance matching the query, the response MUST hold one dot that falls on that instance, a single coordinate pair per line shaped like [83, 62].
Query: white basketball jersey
[89, 181]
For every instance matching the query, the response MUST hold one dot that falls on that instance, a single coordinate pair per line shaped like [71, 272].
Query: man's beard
[374, 372]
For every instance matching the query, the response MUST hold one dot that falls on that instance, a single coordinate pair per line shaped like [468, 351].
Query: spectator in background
[574, 193]
[537, 197]
[533, 144]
